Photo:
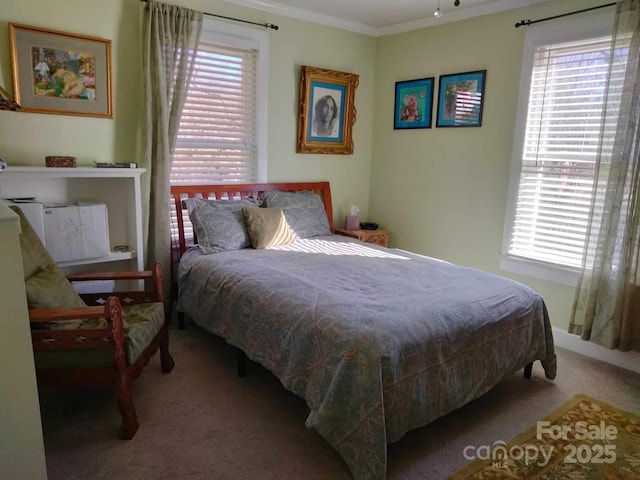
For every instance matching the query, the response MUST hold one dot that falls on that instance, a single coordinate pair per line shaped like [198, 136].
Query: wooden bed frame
[238, 191]
[226, 192]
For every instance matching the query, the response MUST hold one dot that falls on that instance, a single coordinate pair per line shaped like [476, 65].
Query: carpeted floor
[203, 422]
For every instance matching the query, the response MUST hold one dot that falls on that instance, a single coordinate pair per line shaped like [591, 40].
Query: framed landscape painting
[461, 99]
[413, 104]
[60, 73]
[327, 111]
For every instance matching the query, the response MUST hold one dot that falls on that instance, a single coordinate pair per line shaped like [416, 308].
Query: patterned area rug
[583, 439]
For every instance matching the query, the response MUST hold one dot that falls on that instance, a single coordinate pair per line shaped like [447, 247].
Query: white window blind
[564, 127]
[222, 130]
[217, 140]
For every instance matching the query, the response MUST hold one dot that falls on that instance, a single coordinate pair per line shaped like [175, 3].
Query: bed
[377, 341]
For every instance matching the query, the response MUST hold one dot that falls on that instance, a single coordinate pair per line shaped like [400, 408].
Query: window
[558, 142]
[223, 127]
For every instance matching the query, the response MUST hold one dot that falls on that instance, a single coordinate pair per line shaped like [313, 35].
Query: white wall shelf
[118, 188]
[78, 172]
[113, 257]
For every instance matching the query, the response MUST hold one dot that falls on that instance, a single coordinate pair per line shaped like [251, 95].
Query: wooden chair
[93, 339]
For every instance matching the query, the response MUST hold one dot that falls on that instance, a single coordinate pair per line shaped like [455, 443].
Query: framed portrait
[60, 73]
[413, 104]
[460, 99]
[327, 111]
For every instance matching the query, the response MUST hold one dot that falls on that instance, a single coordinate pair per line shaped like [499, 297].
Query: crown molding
[357, 27]
[307, 15]
[457, 15]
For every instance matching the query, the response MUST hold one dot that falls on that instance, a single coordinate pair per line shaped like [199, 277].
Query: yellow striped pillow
[267, 227]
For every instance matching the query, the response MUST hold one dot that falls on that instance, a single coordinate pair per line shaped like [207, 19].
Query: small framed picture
[461, 99]
[61, 73]
[413, 104]
[327, 111]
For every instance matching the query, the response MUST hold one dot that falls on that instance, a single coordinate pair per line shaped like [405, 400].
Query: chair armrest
[81, 338]
[78, 277]
[154, 275]
[153, 292]
[155, 270]
[60, 314]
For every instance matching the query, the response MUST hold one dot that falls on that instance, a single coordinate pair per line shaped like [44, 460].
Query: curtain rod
[526, 23]
[265, 25]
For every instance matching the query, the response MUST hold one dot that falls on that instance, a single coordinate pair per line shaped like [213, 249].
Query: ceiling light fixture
[437, 13]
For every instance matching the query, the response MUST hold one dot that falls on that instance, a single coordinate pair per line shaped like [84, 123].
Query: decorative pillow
[267, 227]
[304, 211]
[35, 256]
[50, 289]
[45, 284]
[219, 225]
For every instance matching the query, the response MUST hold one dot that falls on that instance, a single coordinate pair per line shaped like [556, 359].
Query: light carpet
[202, 422]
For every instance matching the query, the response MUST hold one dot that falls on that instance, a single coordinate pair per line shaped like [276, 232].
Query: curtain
[172, 35]
[606, 308]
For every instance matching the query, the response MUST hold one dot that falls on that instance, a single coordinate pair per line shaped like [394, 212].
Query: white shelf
[77, 172]
[118, 188]
[113, 257]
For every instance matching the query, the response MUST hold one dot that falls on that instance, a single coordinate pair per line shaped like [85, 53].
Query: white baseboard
[628, 360]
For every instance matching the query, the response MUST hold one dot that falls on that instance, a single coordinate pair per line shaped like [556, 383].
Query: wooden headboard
[238, 191]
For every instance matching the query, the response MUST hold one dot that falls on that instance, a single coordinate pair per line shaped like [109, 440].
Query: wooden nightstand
[379, 237]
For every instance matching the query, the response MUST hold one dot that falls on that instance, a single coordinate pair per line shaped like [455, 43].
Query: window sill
[543, 271]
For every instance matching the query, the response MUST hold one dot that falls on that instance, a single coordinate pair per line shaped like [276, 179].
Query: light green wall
[324, 47]
[443, 191]
[21, 444]
[26, 138]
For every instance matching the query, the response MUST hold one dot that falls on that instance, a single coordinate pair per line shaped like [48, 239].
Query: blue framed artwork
[461, 99]
[413, 104]
[327, 111]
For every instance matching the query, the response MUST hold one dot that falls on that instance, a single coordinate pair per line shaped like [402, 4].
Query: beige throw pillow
[45, 284]
[267, 227]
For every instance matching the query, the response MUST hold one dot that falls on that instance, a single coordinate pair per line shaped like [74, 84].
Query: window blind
[217, 140]
[217, 134]
[566, 132]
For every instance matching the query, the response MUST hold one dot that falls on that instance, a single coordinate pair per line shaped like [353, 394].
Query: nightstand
[379, 237]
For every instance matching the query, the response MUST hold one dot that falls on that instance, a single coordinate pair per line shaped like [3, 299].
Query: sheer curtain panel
[172, 35]
[607, 304]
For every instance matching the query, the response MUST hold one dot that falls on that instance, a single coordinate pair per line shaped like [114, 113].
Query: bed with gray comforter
[377, 341]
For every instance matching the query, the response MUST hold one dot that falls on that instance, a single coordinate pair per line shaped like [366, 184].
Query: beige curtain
[172, 35]
[607, 304]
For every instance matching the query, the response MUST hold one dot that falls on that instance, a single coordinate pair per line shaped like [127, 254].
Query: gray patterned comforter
[377, 341]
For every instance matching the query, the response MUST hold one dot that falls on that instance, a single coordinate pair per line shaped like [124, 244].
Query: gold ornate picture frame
[327, 111]
[60, 73]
